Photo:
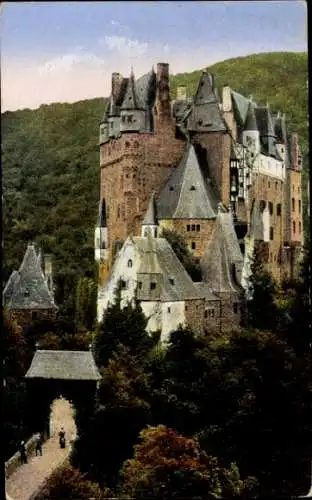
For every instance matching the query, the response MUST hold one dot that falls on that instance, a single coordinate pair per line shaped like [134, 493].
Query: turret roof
[251, 122]
[221, 254]
[150, 218]
[205, 113]
[185, 194]
[131, 99]
[28, 288]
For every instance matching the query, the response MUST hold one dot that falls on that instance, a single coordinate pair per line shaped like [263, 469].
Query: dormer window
[129, 263]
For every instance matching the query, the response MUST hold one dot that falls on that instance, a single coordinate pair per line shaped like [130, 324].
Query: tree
[124, 381]
[122, 325]
[68, 482]
[14, 347]
[184, 255]
[85, 307]
[122, 411]
[167, 465]
[262, 309]
[173, 396]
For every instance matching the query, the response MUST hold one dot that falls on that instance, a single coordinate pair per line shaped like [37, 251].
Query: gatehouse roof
[63, 365]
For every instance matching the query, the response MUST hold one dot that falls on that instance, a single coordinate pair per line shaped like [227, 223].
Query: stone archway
[72, 374]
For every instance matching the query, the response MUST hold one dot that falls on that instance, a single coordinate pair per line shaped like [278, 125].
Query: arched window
[294, 226]
[129, 263]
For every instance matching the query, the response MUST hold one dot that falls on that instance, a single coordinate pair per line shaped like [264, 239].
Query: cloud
[126, 47]
[68, 61]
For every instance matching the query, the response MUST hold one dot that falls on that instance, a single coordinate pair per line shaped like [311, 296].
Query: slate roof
[181, 107]
[159, 262]
[63, 365]
[251, 122]
[204, 289]
[146, 88]
[27, 288]
[150, 218]
[186, 195]
[132, 99]
[240, 105]
[205, 113]
[221, 253]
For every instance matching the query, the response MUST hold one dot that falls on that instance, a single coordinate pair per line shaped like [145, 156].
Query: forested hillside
[51, 163]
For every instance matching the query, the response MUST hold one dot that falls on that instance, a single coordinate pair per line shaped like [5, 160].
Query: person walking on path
[23, 452]
[38, 448]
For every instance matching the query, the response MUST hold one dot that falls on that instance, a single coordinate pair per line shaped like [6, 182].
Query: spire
[131, 100]
[150, 218]
[251, 122]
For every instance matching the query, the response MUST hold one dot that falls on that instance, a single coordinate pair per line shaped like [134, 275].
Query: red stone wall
[132, 167]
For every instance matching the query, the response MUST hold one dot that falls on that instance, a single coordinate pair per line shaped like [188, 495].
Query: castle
[223, 173]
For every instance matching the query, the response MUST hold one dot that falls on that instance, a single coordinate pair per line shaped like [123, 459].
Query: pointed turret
[251, 135]
[251, 122]
[28, 288]
[150, 224]
[206, 115]
[266, 129]
[132, 109]
[186, 194]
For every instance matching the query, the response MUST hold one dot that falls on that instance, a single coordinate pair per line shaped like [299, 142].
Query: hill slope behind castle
[51, 161]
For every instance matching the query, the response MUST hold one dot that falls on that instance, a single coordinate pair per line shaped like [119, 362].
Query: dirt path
[28, 477]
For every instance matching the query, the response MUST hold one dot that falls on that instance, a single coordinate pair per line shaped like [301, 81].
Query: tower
[132, 112]
[150, 224]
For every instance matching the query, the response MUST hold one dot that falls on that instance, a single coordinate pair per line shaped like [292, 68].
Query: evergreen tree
[85, 307]
[124, 325]
[261, 309]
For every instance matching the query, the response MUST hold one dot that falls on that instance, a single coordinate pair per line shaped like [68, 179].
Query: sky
[67, 51]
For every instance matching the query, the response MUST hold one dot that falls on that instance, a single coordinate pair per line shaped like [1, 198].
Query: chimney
[116, 84]
[181, 93]
[163, 108]
[226, 98]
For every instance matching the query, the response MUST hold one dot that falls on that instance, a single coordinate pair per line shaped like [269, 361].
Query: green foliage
[67, 482]
[15, 363]
[262, 308]
[108, 441]
[168, 465]
[56, 334]
[14, 347]
[181, 250]
[85, 307]
[121, 325]
[124, 381]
